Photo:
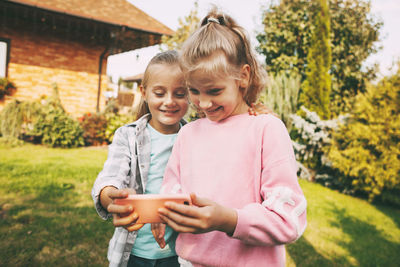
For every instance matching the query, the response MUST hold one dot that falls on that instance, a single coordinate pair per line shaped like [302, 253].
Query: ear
[244, 76]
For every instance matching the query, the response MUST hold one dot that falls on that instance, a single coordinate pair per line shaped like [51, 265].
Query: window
[4, 54]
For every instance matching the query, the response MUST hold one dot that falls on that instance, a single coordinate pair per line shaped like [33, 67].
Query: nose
[169, 101]
[204, 102]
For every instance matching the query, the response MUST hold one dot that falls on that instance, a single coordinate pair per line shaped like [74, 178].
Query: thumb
[199, 201]
[162, 230]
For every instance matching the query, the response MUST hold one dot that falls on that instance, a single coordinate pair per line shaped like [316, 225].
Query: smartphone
[147, 205]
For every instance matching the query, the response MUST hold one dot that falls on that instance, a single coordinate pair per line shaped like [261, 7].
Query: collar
[141, 123]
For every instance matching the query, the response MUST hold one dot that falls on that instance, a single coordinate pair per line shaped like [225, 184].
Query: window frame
[8, 43]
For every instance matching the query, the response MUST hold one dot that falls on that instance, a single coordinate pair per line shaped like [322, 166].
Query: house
[66, 43]
[135, 81]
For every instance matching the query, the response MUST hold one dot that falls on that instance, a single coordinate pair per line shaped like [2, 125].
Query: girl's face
[219, 98]
[166, 96]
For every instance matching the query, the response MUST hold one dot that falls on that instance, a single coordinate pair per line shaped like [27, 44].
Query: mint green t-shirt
[145, 245]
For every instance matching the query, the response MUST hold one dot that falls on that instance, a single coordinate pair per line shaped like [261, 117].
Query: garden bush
[94, 126]
[18, 118]
[367, 148]
[311, 137]
[114, 121]
[6, 88]
[57, 129]
[43, 121]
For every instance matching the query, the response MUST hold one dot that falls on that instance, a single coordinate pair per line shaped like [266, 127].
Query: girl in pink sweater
[239, 169]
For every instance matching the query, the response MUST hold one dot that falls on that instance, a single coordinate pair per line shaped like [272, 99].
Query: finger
[259, 105]
[155, 226]
[189, 210]
[185, 210]
[192, 222]
[126, 220]
[118, 193]
[158, 233]
[162, 230]
[113, 208]
[134, 227]
[199, 201]
[161, 242]
[177, 227]
[155, 229]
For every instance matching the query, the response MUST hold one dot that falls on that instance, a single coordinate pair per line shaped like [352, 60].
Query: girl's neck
[164, 129]
[241, 108]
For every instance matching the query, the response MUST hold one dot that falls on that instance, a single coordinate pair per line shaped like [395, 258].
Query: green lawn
[47, 216]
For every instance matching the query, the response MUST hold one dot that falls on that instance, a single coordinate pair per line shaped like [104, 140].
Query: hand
[201, 217]
[259, 108]
[123, 215]
[158, 230]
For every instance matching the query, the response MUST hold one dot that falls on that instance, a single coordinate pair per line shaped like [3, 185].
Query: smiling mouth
[170, 111]
[212, 111]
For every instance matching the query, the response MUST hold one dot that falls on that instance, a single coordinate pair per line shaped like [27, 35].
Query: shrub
[6, 88]
[94, 126]
[311, 137]
[54, 126]
[18, 118]
[114, 121]
[367, 149]
[43, 121]
[57, 129]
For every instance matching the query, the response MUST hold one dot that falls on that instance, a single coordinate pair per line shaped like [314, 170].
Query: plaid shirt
[127, 166]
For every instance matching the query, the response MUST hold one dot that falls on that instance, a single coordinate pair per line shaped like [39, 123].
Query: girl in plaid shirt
[136, 161]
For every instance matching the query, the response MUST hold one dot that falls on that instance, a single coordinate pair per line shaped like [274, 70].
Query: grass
[346, 231]
[47, 216]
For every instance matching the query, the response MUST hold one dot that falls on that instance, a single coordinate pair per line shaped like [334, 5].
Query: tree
[286, 40]
[317, 85]
[286, 36]
[281, 95]
[366, 149]
[186, 27]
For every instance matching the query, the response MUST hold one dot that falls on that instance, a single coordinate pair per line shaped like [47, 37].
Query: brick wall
[37, 61]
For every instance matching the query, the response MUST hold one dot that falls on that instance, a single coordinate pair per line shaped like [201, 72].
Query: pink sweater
[246, 163]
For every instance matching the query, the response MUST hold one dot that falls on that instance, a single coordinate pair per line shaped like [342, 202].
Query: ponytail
[218, 33]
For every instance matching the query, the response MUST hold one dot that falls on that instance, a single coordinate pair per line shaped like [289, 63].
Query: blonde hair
[221, 46]
[168, 58]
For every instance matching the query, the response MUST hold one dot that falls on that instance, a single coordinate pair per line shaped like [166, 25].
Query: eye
[214, 91]
[193, 91]
[159, 93]
[180, 94]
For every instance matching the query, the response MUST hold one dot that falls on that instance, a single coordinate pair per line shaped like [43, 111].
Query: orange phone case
[147, 205]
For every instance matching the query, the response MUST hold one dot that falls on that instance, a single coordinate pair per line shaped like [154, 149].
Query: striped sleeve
[116, 169]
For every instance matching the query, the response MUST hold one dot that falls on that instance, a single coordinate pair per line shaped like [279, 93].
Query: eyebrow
[158, 87]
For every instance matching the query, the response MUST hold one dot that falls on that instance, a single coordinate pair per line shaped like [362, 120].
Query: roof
[116, 12]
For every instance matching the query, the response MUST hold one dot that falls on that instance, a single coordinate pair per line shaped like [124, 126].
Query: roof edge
[76, 14]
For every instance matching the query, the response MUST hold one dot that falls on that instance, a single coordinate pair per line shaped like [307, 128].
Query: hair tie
[213, 20]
